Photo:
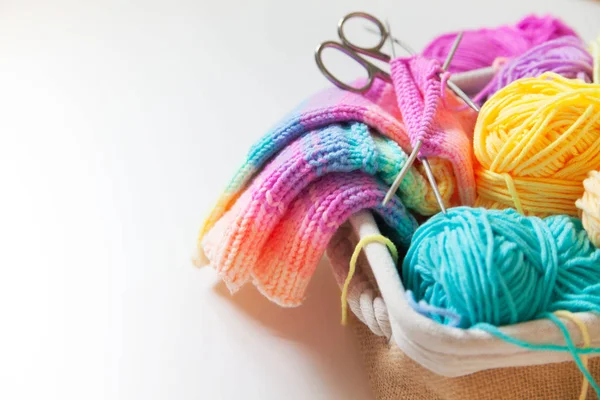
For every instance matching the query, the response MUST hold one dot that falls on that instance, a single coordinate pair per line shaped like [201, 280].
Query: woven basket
[409, 356]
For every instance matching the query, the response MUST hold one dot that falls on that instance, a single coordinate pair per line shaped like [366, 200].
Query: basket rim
[452, 351]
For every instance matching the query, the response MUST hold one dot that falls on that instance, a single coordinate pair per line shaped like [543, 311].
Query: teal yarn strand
[500, 267]
[570, 347]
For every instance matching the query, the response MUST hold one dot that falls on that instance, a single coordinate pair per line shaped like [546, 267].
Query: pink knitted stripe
[419, 91]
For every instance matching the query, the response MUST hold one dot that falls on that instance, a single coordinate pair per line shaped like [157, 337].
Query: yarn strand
[569, 347]
[586, 343]
[376, 238]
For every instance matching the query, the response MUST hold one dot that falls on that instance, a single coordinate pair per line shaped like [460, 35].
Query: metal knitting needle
[409, 162]
[452, 52]
[451, 85]
[458, 91]
[415, 151]
[399, 42]
[412, 157]
[389, 36]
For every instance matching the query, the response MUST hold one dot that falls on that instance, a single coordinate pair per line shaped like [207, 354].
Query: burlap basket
[409, 356]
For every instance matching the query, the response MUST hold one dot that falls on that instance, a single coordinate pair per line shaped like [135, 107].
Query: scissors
[356, 52]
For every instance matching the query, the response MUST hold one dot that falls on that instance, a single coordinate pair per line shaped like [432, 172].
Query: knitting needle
[418, 145]
[412, 157]
[466, 98]
[389, 36]
[451, 85]
[452, 52]
[409, 162]
[458, 91]
[400, 43]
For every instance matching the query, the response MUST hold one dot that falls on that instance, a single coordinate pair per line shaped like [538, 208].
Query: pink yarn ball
[479, 48]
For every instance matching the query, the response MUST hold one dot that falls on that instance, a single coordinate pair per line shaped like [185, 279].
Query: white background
[121, 122]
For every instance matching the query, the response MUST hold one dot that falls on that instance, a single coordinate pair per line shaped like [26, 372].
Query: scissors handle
[372, 71]
[374, 51]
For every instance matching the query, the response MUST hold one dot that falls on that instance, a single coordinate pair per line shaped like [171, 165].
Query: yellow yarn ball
[535, 141]
[589, 204]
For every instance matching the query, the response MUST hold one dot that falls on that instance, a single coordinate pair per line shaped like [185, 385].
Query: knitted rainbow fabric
[236, 242]
[417, 80]
[293, 247]
[377, 108]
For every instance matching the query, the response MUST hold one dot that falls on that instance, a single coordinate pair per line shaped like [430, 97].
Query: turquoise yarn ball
[500, 267]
